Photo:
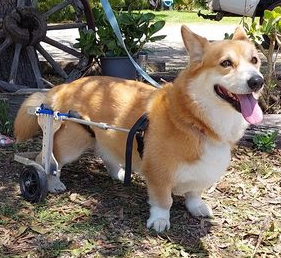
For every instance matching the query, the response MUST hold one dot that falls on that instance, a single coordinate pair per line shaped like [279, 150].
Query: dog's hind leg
[54, 183]
[196, 206]
[70, 141]
[112, 166]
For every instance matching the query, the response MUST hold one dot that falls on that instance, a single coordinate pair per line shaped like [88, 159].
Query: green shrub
[68, 13]
[189, 5]
[6, 124]
[137, 29]
[117, 3]
[65, 14]
[271, 28]
[265, 141]
[126, 4]
[137, 5]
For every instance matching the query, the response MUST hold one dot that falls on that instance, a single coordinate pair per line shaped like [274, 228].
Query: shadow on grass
[9, 184]
[95, 216]
[120, 215]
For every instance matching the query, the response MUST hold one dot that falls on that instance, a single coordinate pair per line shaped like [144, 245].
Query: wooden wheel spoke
[35, 67]
[23, 69]
[15, 64]
[20, 3]
[2, 33]
[56, 8]
[34, 3]
[51, 61]
[7, 42]
[10, 87]
[62, 47]
[67, 26]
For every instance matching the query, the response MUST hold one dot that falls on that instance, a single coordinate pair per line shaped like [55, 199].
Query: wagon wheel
[25, 27]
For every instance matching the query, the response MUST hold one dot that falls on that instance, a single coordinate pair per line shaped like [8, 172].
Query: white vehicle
[250, 8]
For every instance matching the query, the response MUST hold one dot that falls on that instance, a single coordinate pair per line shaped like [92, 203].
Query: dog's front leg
[160, 201]
[196, 206]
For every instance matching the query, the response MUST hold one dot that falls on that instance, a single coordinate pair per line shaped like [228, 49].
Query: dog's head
[227, 71]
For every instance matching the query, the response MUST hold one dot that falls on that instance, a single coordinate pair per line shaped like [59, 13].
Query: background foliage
[68, 12]
[6, 124]
[270, 28]
[137, 29]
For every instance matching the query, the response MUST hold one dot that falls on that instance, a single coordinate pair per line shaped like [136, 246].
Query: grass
[181, 17]
[98, 217]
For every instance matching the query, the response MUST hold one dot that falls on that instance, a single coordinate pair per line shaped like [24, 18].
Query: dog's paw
[159, 224]
[159, 219]
[119, 175]
[55, 185]
[198, 208]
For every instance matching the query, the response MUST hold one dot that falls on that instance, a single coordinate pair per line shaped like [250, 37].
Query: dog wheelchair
[33, 178]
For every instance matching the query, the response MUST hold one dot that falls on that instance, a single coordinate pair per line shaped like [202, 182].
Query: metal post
[142, 61]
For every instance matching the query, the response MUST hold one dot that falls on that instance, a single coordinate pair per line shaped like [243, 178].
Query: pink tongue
[250, 108]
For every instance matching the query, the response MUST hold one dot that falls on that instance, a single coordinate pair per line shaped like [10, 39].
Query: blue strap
[45, 112]
[113, 22]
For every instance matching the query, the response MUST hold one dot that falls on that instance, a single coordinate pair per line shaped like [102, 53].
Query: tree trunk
[25, 75]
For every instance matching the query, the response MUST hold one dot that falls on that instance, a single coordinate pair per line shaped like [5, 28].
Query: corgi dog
[193, 122]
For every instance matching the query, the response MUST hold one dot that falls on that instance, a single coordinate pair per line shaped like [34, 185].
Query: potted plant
[137, 29]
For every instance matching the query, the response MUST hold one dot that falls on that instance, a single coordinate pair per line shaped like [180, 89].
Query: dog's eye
[254, 60]
[226, 63]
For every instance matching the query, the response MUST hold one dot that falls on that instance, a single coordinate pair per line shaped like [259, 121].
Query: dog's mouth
[228, 96]
[246, 104]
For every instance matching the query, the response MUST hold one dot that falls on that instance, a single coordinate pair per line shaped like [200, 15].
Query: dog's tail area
[26, 125]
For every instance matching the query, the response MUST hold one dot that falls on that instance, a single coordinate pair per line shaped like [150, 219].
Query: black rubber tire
[33, 183]
[265, 43]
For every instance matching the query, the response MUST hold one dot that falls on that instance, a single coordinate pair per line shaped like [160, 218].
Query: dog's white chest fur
[204, 172]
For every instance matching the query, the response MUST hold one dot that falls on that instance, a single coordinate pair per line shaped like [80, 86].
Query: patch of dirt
[99, 217]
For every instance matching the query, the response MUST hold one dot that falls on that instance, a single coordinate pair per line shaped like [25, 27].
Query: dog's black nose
[255, 82]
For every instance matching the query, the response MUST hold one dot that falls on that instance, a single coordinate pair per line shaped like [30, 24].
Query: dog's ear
[240, 34]
[194, 43]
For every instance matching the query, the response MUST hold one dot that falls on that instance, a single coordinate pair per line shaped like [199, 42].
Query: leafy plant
[270, 28]
[228, 36]
[265, 141]
[137, 29]
[126, 4]
[6, 124]
[65, 14]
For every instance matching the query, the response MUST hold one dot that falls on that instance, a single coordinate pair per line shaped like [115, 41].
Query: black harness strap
[138, 129]
[75, 114]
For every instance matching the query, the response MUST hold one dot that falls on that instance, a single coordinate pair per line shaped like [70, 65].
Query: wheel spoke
[35, 67]
[15, 64]
[32, 189]
[20, 3]
[52, 62]
[34, 3]
[67, 26]
[2, 33]
[10, 87]
[62, 47]
[56, 8]
[7, 42]
[47, 82]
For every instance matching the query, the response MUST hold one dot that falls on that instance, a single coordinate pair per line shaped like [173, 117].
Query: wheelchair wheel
[33, 183]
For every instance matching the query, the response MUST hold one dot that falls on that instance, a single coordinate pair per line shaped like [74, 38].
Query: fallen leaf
[21, 230]
[39, 229]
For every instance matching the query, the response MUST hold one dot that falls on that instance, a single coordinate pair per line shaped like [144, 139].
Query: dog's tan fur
[179, 128]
